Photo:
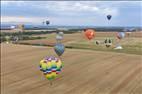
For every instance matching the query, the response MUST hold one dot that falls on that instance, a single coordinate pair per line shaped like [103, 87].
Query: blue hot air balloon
[120, 35]
[47, 22]
[59, 49]
[109, 17]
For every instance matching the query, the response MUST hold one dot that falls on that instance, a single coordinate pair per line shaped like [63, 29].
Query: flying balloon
[108, 42]
[59, 38]
[61, 34]
[47, 22]
[97, 42]
[120, 35]
[89, 33]
[43, 22]
[109, 17]
[59, 49]
[51, 67]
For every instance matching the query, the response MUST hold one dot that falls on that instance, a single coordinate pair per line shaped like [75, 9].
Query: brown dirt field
[84, 72]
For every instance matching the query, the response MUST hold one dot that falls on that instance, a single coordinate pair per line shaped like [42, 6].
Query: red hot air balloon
[89, 33]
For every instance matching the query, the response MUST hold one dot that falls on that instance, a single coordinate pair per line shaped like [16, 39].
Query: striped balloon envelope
[51, 67]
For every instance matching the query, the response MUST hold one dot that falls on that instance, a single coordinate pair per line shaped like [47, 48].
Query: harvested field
[84, 72]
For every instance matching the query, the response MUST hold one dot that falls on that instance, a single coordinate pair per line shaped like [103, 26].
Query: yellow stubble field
[84, 72]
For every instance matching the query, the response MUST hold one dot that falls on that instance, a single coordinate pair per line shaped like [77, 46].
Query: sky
[73, 13]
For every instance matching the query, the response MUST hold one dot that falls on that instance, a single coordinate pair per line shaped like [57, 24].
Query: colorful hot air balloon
[59, 49]
[51, 67]
[120, 35]
[89, 33]
[109, 17]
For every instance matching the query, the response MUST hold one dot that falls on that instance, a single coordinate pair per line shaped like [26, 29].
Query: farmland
[88, 68]
[84, 72]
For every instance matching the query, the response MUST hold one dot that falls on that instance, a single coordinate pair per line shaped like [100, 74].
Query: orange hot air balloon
[89, 33]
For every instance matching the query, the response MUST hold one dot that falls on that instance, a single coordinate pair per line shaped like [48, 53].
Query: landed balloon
[125, 30]
[109, 17]
[59, 49]
[120, 35]
[118, 47]
[89, 33]
[51, 67]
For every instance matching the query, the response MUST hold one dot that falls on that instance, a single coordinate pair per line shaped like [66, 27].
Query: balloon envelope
[120, 35]
[109, 17]
[59, 38]
[108, 42]
[60, 33]
[51, 67]
[90, 33]
[47, 22]
[59, 49]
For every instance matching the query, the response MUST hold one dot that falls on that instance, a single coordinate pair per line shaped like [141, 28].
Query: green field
[131, 45]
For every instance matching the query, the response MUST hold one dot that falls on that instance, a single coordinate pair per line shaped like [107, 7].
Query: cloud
[16, 19]
[70, 12]
[71, 7]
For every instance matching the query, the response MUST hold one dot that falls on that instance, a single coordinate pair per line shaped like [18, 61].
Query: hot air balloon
[97, 42]
[51, 67]
[89, 33]
[59, 38]
[47, 22]
[43, 22]
[108, 42]
[120, 35]
[59, 49]
[109, 17]
[7, 38]
[61, 34]
[15, 39]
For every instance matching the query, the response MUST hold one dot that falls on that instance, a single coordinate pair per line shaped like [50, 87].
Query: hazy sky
[124, 13]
